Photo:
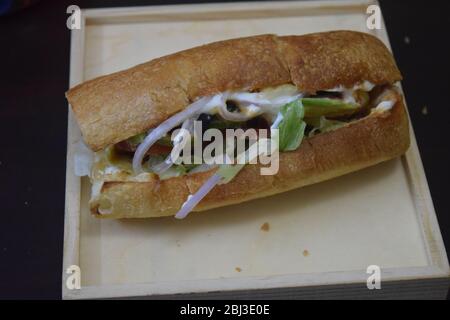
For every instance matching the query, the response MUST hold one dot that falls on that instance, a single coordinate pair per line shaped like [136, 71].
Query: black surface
[34, 73]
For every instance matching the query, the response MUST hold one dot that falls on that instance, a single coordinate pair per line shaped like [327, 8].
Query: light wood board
[319, 235]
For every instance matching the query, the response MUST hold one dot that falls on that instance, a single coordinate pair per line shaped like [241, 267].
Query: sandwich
[333, 97]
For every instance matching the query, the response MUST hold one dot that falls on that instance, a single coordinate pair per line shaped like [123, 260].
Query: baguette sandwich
[332, 95]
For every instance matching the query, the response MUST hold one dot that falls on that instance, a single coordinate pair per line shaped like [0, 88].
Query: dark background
[34, 74]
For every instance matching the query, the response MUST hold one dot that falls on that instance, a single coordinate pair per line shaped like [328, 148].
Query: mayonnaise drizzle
[347, 93]
[385, 105]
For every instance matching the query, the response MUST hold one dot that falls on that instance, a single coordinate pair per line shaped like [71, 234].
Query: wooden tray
[325, 234]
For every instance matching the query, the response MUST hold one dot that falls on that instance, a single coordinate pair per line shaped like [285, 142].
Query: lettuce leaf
[292, 127]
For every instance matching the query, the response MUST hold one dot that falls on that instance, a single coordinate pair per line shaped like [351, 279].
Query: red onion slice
[194, 199]
[163, 128]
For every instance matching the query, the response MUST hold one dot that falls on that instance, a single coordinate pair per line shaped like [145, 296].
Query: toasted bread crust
[115, 107]
[371, 140]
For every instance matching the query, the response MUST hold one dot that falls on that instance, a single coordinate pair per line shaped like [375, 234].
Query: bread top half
[114, 107]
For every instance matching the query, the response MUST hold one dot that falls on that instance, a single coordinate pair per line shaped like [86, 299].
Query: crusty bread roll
[115, 107]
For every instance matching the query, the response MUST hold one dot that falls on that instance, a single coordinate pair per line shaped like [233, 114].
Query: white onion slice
[280, 101]
[163, 128]
[162, 166]
[188, 125]
[277, 121]
[194, 199]
[165, 165]
[253, 98]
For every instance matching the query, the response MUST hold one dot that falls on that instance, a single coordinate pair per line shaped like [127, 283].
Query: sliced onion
[253, 98]
[165, 165]
[163, 128]
[162, 166]
[194, 199]
[277, 121]
[188, 125]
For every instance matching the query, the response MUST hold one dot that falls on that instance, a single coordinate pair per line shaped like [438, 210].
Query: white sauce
[365, 86]
[112, 169]
[347, 93]
[385, 106]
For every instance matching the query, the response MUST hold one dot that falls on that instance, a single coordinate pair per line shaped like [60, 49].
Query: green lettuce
[292, 127]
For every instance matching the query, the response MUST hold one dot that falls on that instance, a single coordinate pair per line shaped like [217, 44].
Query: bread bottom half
[376, 138]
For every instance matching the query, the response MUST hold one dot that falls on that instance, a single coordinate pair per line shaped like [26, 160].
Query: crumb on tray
[265, 227]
